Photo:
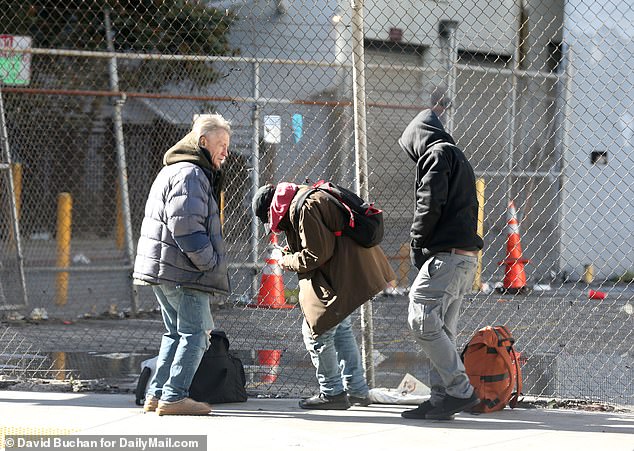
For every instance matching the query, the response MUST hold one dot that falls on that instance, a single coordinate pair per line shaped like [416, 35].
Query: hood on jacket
[187, 149]
[424, 131]
[281, 202]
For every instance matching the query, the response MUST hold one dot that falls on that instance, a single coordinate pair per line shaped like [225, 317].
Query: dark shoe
[451, 405]
[359, 400]
[419, 413]
[325, 402]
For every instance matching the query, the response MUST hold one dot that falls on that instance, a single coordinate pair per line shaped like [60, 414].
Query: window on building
[555, 55]
[599, 158]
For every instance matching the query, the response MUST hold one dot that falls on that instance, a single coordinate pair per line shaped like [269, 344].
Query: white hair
[207, 123]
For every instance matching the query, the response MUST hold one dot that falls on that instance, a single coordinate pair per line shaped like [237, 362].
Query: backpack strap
[141, 385]
[316, 187]
[301, 198]
[518, 380]
[326, 187]
[509, 357]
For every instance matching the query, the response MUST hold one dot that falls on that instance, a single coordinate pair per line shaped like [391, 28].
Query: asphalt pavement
[572, 346]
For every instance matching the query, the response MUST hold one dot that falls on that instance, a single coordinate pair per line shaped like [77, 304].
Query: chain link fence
[541, 101]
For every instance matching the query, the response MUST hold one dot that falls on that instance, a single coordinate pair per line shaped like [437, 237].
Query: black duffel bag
[220, 377]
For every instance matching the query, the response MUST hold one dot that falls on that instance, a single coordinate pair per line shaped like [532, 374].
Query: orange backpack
[492, 365]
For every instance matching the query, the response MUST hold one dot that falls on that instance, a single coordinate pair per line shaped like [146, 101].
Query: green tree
[145, 26]
[74, 128]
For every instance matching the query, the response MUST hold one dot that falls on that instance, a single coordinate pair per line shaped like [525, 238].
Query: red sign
[6, 43]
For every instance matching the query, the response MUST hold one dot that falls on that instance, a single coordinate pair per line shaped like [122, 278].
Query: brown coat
[336, 275]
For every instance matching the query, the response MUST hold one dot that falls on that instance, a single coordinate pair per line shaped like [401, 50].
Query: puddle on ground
[96, 365]
[76, 365]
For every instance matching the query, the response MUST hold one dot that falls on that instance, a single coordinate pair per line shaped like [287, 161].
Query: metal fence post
[447, 32]
[361, 165]
[512, 110]
[564, 99]
[4, 148]
[121, 160]
[255, 175]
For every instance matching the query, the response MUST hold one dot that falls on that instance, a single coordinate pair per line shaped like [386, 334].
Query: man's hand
[416, 256]
[286, 261]
[277, 254]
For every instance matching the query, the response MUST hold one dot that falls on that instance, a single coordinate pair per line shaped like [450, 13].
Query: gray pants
[434, 308]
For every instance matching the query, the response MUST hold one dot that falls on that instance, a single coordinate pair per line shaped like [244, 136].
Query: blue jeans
[337, 360]
[434, 308]
[187, 318]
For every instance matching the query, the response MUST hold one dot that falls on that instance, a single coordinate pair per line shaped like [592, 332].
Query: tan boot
[185, 406]
[150, 404]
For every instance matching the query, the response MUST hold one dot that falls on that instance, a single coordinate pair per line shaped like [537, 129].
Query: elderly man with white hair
[181, 253]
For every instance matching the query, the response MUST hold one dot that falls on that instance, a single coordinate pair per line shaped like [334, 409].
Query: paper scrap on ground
[409, 391]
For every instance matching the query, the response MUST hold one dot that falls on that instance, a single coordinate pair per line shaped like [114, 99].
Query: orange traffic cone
[269, 359]
[514, 275]
[271, 293]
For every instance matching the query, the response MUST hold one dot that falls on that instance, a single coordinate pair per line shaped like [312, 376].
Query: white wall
[598, 199]
[486, 27]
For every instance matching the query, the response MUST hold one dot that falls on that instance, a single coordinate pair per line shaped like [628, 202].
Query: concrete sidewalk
[279, 424]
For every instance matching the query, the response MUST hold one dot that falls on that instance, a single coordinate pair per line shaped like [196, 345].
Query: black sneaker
[361, 401]
[451, 405]
[325, 402]
[419, 412]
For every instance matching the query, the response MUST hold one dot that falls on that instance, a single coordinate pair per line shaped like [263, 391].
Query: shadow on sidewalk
[516, 419]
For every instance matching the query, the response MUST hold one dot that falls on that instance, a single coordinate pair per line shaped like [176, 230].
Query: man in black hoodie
[444, 248]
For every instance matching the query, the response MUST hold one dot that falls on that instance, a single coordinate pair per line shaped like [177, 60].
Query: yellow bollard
[588, 274]
[477, 282]
[64, 222]
[16, 169]
[59, 364]
[16, 174]
[120, 229]
[222, 209]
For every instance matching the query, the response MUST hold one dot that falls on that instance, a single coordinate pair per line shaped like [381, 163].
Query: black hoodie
[446, 213]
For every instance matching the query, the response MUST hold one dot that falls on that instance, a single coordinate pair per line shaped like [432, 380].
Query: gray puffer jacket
[181, 236]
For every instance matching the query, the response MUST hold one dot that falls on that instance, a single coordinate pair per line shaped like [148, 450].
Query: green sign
[15, 68]
[11, 71]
